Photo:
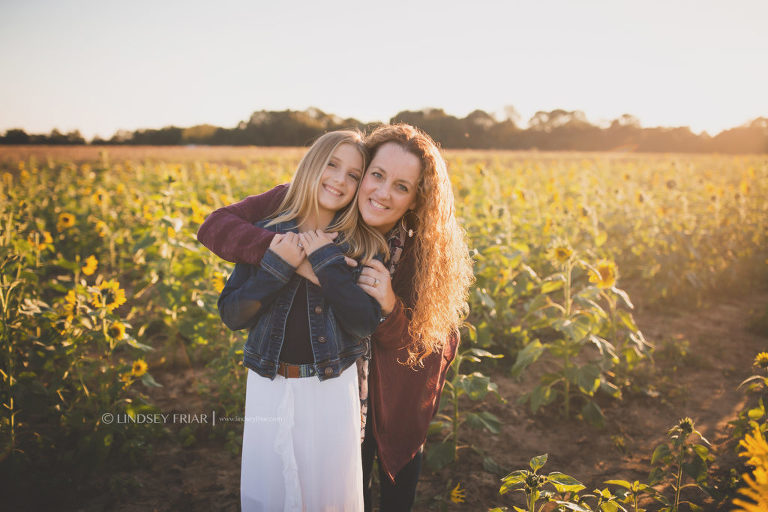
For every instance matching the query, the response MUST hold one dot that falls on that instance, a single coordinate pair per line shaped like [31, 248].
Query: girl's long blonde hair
[442, 266]
[301, 203]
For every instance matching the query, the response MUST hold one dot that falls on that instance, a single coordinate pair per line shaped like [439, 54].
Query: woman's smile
[389, 187]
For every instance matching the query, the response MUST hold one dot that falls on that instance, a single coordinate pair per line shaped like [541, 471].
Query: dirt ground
[702, 357]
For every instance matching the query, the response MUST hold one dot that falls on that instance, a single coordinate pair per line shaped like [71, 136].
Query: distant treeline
[555, 130]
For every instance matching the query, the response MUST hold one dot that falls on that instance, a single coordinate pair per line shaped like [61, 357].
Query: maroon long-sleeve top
[403, 400]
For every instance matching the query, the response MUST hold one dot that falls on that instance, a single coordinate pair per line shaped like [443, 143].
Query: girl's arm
[357, 312]
[249, 289]
[229, 232]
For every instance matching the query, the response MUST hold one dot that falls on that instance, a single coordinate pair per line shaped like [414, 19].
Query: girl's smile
[340, 178]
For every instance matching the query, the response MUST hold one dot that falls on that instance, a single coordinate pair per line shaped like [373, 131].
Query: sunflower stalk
[677, 457]
[568, 301]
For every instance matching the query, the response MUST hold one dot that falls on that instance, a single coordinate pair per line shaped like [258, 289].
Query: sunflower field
[103, 280]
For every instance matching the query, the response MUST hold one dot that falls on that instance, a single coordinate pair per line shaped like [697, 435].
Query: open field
[624, 292]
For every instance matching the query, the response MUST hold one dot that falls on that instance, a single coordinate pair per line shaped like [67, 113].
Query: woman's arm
[229, 231]
[393, 331]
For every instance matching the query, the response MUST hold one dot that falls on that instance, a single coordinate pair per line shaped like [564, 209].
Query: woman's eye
[403, 188]
[376, 174]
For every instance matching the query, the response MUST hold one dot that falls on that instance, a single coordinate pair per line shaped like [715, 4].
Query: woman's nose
[382, 191]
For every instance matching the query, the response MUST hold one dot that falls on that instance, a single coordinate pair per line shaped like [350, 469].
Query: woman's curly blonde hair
[442, 264]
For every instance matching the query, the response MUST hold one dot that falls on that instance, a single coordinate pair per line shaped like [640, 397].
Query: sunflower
[761, 360]
[101, 228]
[66, 220]
[108, 295]
[561, 254]
[100, 197]
[116, 330]
[218, 281]
[71, 299]
[139, 368]
[685, 425]
[755, 448]
[91, 264]
[198, 217]
[457, 494]
[70, 305]
[756, 484]
[604, 274]
[35, 240]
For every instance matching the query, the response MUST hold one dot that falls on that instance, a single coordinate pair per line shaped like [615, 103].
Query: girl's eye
[331, 164]
[354, 176]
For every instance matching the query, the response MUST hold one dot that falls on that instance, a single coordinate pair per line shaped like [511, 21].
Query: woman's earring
[416, 222]
[402, 224]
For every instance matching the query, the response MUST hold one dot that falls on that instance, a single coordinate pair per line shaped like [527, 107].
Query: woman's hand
[313, 240]
[376, 282]
[287, 246]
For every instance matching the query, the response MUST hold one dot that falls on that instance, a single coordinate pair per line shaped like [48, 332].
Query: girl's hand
[376, 282]
[305, 270]
[287, 247]
[313, 240]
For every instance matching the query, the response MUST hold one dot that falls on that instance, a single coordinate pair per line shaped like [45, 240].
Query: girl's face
[339, 180]
[389, 187]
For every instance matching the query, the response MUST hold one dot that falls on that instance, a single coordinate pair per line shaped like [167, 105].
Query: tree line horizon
[547, 131]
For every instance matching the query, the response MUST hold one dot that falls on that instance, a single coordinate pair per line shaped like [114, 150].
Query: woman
[405, 195]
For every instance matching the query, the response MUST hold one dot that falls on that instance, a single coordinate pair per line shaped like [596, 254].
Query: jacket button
[328, 371]
[322, 339]
[318, 309]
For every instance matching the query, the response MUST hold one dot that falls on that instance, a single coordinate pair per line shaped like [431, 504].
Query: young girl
[301, 438]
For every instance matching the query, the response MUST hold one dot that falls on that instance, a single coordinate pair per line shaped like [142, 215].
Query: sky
[100, 66]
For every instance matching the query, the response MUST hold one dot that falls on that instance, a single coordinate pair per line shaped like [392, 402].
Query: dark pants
[397, 497]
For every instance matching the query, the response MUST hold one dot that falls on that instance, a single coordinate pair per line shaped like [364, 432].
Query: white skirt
[301, 445]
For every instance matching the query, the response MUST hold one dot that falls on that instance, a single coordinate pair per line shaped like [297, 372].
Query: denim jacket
[341, 314]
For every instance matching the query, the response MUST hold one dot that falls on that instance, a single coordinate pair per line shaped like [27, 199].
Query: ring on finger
[375, 282]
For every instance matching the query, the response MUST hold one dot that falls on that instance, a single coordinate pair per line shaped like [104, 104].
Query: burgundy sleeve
[229, 231]
[393, 332]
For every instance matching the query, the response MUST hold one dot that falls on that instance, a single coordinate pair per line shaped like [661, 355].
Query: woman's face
[389, 187]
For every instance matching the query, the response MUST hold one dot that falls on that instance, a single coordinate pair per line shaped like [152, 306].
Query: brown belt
[295, 371]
